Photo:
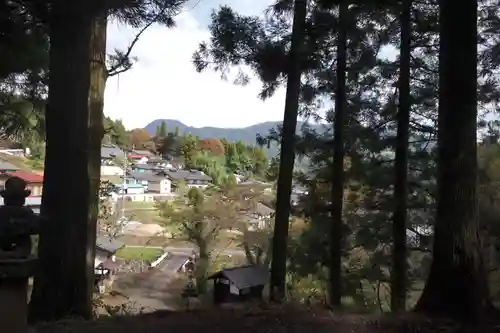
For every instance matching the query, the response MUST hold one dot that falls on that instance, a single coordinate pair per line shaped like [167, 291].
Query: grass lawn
[139, 253]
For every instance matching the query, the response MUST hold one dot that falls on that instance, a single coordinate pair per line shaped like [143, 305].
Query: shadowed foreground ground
[262, 320]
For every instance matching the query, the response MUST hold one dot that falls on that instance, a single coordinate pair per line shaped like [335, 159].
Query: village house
[192, 178]
[140, 156]
[34, 181]
[109, 153]
[153, 182]
[260, 217]
[7, 167]
[175, 163]
[105, 263]
[136, 158]
[145, 167]
[162, 181]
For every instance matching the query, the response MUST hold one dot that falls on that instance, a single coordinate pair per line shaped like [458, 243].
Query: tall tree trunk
[457, 284]
[287, 155]
[64, 282]
[98, 77]
[399, 250]
[337, 186]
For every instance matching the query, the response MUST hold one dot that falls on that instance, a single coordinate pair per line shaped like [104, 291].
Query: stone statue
[17, 222]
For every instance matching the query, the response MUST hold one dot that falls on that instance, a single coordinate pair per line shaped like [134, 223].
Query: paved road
[173, 262]
[189, 250]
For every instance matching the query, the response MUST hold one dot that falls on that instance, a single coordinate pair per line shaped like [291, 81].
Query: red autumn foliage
[139, 138]
[211, 145]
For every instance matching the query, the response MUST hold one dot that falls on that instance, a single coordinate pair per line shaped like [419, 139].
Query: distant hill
[246, 134]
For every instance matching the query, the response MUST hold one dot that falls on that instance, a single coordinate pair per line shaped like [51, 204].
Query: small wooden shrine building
[238, 284]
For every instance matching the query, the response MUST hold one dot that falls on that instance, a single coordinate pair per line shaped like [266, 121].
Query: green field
[139, 253]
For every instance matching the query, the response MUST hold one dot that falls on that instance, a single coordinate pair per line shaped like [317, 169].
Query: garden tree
[273, 170]
[457, 284]
[161, 131]
[23, 40]
[232, 158]
[255, 242]
[371, 130]
[82, 61]
[188, 149]
[199, 216]
[23, 65]
[63, 285]
[337, 185]
[260, 161]
[222, 29]
[108, 220]
[245, 160]
[168, 145]
[116, 132]
[139, 138]
[287, 153]
[212, 146]
[399, 249]
[369, 133]
[213, 166]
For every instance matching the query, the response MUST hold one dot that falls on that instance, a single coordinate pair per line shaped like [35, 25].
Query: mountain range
[247, 135]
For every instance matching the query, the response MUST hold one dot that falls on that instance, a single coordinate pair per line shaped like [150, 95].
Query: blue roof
[130, 186]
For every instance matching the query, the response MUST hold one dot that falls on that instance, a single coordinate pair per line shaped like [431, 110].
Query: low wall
[160, 259]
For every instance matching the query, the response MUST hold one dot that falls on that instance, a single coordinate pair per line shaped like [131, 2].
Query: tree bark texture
[457, 285]
[287, 155]
[64, 282]
[337, 186]
[98, 78]
[399, 250]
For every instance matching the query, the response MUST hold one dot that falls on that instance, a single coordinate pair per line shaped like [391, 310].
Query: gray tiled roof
[106, 244]
[263, 210]
[143, 152]
[145, 166]
[245, 276]
[111, 151]
[146, 175]
[4, 165]
[156, 174]
[187, 175]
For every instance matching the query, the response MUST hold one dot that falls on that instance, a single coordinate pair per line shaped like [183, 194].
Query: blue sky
[164, 84]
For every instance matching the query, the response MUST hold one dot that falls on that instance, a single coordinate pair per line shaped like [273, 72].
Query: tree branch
[123, 63]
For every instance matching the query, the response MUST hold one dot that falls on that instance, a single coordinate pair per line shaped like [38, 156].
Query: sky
[163, 83]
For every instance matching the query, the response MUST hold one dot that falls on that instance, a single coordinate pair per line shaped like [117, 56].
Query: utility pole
[125, 168]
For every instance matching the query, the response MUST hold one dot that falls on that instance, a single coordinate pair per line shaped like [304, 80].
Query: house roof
[155, 174]
[145, 166]
[263, 210]
[143, 152]
[106, 244]
[132, 155]
[156, 159]
[244, 276]
[111, 151]
[109, 264]
[146, 175]
[187, 175]
[4, 165]
[28, 177]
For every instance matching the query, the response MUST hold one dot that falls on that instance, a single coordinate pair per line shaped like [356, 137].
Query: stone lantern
[17, 263]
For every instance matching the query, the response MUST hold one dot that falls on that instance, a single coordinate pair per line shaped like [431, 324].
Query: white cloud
[164, 83]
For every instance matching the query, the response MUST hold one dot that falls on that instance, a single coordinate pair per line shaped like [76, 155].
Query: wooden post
[17, 264]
